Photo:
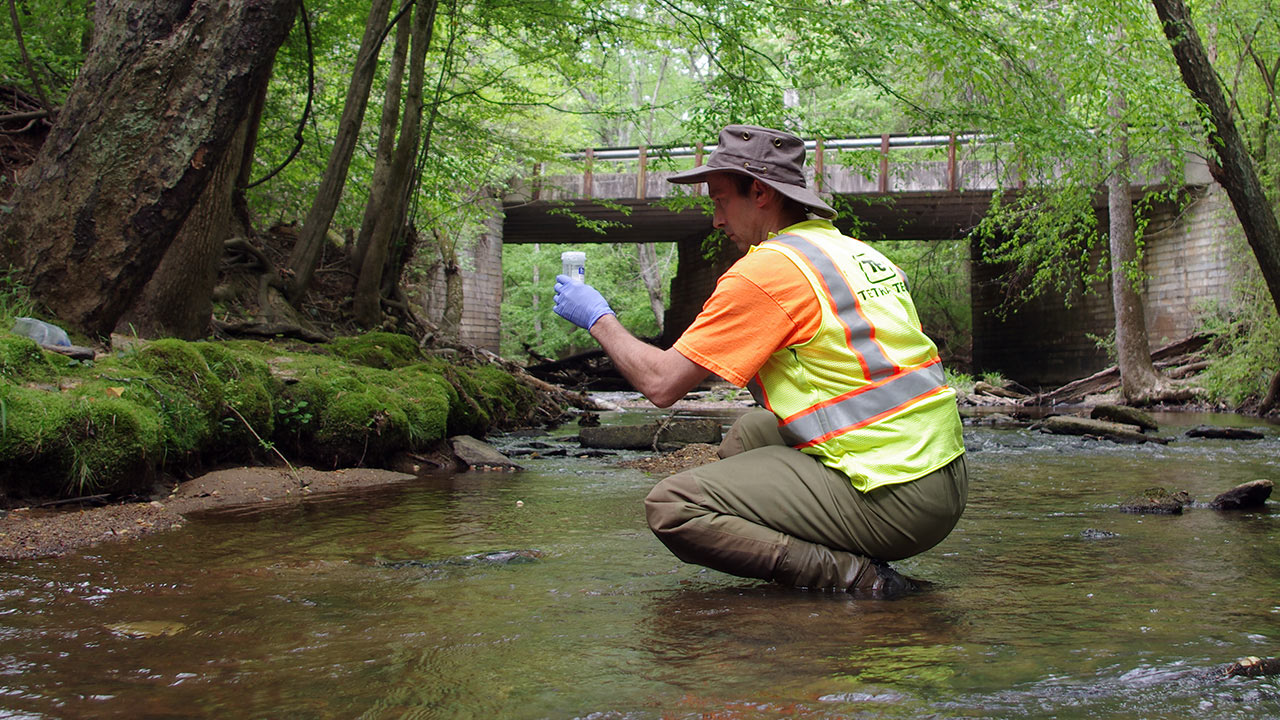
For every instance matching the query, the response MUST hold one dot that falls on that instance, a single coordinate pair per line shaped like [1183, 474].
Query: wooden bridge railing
[817, 149]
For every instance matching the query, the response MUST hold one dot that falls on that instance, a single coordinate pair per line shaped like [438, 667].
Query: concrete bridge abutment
[1049, 341]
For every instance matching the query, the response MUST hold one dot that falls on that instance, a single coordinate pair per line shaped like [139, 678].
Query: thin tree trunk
[1273, 395]
[386, 144]
[367, 302]
[86, 37]
[535, 297]
[36, 86]
[1138, 379]
[241, 215]
[155, 106]
[311, 240]
[451, 313]
[178, 300]
[1233, 167]
[651, 275]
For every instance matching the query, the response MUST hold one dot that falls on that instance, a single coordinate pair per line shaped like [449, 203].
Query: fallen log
[651, 435]
[76, 352]
[269, 329]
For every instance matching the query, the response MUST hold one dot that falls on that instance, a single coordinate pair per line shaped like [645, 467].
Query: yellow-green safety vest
[866, 395]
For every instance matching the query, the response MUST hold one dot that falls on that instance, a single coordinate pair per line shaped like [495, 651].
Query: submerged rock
[1244, 496]
[1125, 415]
[1157, 501]
[1096, 534]
[1116, 432]
[496, 557]
[479, 455]
[1252, 667]
[1224, 433]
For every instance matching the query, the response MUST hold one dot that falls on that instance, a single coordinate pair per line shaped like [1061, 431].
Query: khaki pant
[769, 511]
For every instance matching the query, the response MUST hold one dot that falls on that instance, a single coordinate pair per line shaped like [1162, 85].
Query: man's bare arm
[663, 376]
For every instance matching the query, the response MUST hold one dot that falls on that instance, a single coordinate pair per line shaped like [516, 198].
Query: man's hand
[579, 303]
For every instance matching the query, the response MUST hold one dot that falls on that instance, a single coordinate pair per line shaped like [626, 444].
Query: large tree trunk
[385, 152]
[178, 300]
[1233, 168]
[651, 274]
[367, 302]
[311, 240]
[151, 113]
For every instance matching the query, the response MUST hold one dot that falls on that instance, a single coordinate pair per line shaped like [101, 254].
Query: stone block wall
[1044, 343]
[1188, 264]
[481, 262]
[695, 278]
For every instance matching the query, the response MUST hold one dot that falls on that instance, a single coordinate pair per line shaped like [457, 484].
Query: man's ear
[761, 194]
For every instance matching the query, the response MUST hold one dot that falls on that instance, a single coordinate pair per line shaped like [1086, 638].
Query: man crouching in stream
[857, 457]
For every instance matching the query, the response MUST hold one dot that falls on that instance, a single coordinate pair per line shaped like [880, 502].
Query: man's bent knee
[672, 503]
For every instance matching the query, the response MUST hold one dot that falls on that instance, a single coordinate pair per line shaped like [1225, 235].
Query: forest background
[173, 169]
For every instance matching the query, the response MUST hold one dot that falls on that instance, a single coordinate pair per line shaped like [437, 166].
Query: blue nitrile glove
[579, 303]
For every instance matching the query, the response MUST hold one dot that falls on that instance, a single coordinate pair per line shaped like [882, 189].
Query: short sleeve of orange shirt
[762, 304]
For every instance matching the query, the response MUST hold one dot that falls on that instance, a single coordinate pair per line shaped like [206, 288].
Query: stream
[407, 602]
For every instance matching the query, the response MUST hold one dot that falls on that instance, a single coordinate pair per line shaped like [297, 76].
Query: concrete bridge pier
[696, 276]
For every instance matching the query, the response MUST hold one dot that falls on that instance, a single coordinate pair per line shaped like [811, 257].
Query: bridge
[888, 187]
[906, 187]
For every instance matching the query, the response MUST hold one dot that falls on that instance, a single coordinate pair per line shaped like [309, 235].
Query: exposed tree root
[1109, 378]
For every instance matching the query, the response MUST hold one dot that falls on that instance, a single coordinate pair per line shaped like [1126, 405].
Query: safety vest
[866, 395]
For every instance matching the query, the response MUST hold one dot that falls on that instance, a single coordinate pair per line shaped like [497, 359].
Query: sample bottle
[574, 264]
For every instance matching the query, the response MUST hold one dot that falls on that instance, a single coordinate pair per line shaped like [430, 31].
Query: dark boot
[817, 567]
[888, 583]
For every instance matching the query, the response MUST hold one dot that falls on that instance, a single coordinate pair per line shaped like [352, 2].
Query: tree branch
[26, 59]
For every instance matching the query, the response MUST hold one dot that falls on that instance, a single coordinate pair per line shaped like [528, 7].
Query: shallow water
[384, 605]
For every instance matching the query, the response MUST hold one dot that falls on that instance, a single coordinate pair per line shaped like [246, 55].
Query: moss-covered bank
[70, 428]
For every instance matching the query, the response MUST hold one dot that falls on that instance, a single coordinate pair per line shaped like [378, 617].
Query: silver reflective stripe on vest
[877, 363]
[814, 425]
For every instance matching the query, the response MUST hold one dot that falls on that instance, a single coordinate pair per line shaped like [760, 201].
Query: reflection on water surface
[392, 604]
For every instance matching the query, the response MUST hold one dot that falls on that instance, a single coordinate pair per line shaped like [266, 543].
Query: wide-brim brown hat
[773, 157]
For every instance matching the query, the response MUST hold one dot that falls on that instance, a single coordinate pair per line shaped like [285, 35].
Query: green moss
[377, 349]
[361, 426]
[31, 422]
[111, 443]
[86, 440]
[170, 403]
[363, 414]
[22, 358]
[180, 363]
[430, 402]
[248, 391]
[507, 399]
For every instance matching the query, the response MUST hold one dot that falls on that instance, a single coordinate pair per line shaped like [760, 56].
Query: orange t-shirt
[761, 304]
